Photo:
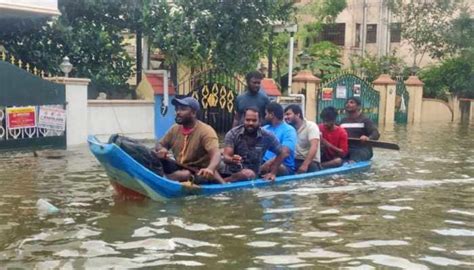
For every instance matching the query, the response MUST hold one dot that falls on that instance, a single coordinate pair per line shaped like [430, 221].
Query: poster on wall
[21, 117]
[326, 94]
[341, 91]
[52, 118]
[356, 90]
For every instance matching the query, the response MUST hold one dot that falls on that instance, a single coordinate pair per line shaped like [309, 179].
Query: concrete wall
[134, 118]
[435, 110]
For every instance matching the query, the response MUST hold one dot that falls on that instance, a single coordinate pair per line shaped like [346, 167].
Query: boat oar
[379, 144]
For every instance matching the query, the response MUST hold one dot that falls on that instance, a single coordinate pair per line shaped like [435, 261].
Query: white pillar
[76, 109]
[387, 89]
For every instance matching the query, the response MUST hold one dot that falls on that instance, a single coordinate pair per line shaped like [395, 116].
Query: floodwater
[413, 210]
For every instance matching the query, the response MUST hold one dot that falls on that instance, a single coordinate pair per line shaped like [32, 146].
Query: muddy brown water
[413, 210]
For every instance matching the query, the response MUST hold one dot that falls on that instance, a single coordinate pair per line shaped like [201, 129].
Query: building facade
[371, 21]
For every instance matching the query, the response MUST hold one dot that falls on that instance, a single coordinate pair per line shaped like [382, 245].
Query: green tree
[460, 35]
[228, 35]
[326, 55]
[373, 66]
[424, 24]
[89, 33]
[452, 76]
[455, 74]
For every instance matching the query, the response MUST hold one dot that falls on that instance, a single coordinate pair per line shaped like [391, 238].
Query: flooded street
[413, 210]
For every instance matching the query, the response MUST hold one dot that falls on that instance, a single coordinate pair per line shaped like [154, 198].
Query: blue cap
[187, 101]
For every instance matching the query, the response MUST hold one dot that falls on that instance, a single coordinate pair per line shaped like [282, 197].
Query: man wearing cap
[193, 143]
[358, 126]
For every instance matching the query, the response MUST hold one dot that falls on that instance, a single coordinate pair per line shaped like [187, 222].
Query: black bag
[139, 152]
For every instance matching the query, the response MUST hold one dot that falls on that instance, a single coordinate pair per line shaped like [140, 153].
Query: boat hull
[126, 174]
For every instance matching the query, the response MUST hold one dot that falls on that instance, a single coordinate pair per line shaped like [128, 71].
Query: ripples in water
[413, 210]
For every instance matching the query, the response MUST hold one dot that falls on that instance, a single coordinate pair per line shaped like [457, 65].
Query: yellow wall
[434, 110]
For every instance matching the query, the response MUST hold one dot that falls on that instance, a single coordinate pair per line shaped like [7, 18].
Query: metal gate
[216, 92]
[401, 103]
[336, 91]
[24, 98]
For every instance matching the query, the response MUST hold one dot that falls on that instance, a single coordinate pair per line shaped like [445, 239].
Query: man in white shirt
[308, 155]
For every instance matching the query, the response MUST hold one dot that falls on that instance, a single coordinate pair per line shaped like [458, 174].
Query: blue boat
[130, 178]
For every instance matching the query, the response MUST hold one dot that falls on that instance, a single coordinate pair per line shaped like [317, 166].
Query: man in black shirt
[361, 127]
[244, 147]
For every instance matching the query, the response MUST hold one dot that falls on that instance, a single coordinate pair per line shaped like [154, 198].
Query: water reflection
[413, 210]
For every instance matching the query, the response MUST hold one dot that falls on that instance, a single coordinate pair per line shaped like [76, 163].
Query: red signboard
[21, 117]
[327, 94]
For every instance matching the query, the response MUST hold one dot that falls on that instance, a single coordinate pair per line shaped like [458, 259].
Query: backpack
[138, 152]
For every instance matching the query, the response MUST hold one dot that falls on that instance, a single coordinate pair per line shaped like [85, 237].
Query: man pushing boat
[194, 145]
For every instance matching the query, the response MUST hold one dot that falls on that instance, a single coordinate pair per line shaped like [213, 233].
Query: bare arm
[276, 162]
[313, 149]
[160, 151]
[211, 170]
[215, 157]
[229, 157]
[372, 130]
[340, 152]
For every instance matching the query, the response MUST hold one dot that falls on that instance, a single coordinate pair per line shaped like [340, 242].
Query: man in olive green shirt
[194, 144]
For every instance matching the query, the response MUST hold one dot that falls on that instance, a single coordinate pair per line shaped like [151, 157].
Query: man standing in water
[194, 144]
[252, 97]
[361, 127]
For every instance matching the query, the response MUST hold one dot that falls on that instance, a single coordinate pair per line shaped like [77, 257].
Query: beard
[291, 122]
[250, 130]
[182, 120]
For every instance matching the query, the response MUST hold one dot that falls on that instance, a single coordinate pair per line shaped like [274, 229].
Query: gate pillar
[76, 109]
[415, 91]
[307, 84]
[387, 89]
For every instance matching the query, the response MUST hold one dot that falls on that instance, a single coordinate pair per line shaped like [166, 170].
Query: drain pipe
[290, 73]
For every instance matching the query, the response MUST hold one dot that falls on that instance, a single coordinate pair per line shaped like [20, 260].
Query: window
[371, 33]
[357, 37]
[335, 33]
[395, 32]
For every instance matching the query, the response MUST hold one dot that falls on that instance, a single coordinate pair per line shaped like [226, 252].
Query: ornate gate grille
[344, 86]
[216, 92]
[401, 102]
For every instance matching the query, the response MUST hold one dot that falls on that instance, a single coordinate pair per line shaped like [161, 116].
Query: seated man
[194, 144]
[361, 127]
[244, 147]
[287, 137]
[307, 158]
[333, 140]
